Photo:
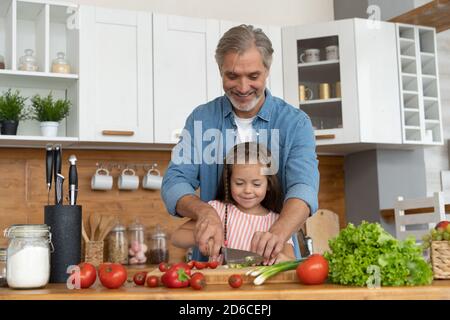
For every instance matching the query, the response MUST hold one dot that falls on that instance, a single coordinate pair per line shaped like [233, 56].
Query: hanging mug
[152, 180]
[128, 180]
[101, 180]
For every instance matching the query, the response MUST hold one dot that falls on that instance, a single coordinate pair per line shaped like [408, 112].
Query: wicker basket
[440, 259]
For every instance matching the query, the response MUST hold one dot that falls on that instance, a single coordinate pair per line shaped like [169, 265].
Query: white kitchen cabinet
[275, 80]
[367, 109]
[116, 102]
[185, 73]
[44, 27]
[419, 85]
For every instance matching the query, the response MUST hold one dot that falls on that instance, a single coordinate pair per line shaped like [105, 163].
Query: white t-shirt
[245, 129]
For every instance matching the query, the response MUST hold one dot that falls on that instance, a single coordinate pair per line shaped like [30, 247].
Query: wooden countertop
[439, 290]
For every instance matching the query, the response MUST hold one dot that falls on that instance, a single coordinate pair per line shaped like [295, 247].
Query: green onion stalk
[265, 272]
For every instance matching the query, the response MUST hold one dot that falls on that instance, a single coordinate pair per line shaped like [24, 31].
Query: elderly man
[250, 113]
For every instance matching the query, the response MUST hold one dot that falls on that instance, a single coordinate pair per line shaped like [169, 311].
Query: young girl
[248, 200]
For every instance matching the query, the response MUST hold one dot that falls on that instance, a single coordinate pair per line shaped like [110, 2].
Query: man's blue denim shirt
[298, 165]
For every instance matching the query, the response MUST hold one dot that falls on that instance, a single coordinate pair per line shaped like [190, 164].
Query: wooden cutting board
[221, 274]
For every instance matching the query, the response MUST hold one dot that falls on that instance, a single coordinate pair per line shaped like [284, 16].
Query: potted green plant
[49, 113]
[12, 110]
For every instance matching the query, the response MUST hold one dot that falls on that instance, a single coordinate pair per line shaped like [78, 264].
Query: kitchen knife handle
[49, 166]
[57, 168]
[73, 184]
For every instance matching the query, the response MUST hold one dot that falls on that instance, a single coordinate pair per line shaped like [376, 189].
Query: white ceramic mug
[152, 179]
[128, 180]
[310, 55]
[332, 53]
[101, 180]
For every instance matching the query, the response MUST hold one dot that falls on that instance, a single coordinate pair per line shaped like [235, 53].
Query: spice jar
[158, 251]
[2, 62]
[28, 256]
[28, 61]
[60, 64]
[117, 244]
[3, 282]
[136, 243]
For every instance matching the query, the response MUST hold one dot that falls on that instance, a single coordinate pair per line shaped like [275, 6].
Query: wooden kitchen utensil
[94, 221]
[321, 227]
[83, 232]
[107, 226]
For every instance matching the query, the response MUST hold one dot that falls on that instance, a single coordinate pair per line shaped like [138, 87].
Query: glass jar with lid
[158, 250]
[28, 256]
[137, 247]
[117, 244]
[28, 61]
[60, 64]
[3, 282]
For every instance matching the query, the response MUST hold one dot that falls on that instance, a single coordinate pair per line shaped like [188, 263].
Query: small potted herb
[49, 113]
[12, 110]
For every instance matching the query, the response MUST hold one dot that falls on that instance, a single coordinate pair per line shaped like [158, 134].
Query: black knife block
[65, 227]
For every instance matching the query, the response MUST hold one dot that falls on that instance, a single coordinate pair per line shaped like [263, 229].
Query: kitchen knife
[59, 188]
[73, 180]
[57, 167]
[49, 169]
[236, 256]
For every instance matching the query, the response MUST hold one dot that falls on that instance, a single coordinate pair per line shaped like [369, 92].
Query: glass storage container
[158, 251]
[28, 61]
[3, 282]
[117, 244]
[137, 248]
[60, 64]
[28, 256]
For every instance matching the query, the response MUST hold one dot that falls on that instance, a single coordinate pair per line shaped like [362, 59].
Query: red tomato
[112, 275]
[197, 281]
[153, 281]
[139, 278]
[191, 264]
[88, 275]
[164, 266]
[235, 281]
[314, 270]
[177, 276]
[213, 264]
[200, 265]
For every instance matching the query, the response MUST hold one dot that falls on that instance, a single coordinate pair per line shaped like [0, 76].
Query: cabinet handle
[325, 136]
[117, 133]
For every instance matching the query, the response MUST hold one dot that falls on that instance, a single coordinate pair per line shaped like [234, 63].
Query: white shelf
[412, 127]
[408, 57]
[319, 63]
[432, 121]
[41, 80]
[411, 110]
[37, 138]
[408, 40]
[321, 101]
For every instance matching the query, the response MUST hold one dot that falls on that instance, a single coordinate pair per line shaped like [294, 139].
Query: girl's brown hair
[250, 153]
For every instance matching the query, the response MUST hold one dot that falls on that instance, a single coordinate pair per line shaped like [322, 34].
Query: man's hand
[268, 245]
[208, 233]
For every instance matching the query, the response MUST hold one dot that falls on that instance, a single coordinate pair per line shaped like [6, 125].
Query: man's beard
[247, 107]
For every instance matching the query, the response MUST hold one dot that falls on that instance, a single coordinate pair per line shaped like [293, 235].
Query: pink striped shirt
[242, 226]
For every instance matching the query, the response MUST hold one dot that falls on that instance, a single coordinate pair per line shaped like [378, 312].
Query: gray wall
[344, 9]
[375, 178]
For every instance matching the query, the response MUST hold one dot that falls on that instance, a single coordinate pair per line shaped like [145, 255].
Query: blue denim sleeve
[182, 175]
[302, 171]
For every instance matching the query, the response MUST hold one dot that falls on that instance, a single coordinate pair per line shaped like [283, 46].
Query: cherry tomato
[112, 275]
[139, 278]
[197, 281]
[88, 275]
[314, 270]
[213, 264]
[153, 281]
[191, 264]
[164, 266]
[200, 265]
[235, 281]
